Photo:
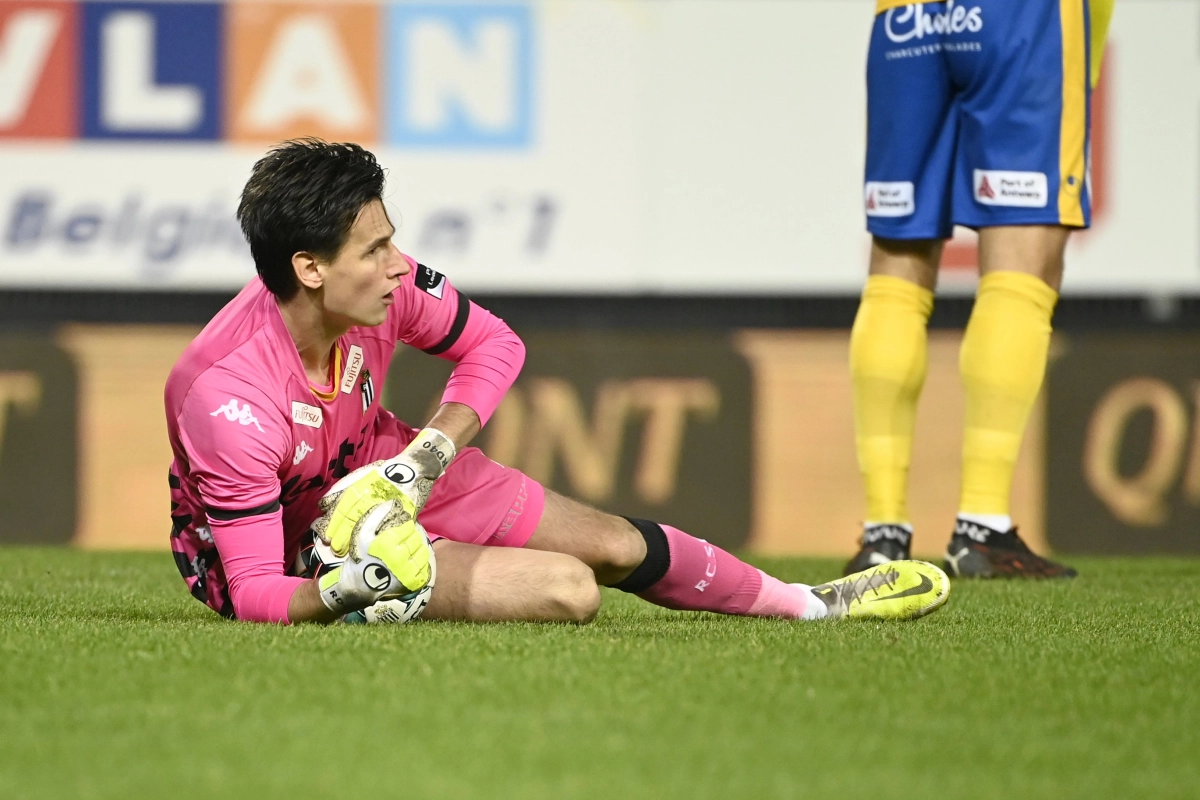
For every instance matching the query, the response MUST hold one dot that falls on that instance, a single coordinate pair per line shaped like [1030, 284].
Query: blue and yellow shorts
[978, 115]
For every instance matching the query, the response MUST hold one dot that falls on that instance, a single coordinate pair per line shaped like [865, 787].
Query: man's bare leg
[1035, 250]
[503, 584]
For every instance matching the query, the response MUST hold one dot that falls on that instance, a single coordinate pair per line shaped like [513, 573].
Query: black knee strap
[656, 563]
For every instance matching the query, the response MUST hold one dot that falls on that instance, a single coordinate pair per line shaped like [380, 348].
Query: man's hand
[388, 555]
[405, 480]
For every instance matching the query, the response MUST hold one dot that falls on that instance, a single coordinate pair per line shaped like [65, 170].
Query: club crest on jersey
[368, 390]
[430, 281]
[354, 363]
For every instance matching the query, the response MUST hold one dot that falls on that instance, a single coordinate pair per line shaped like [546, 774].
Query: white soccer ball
[316, 558]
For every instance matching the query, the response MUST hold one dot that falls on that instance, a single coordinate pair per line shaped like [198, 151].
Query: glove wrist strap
[430, 453]
[333, 595]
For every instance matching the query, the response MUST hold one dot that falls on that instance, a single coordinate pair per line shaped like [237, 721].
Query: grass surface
[114, 682]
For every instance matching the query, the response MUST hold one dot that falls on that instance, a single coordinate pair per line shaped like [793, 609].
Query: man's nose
[399, 265]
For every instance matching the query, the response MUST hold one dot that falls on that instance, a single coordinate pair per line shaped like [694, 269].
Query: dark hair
[304, 195]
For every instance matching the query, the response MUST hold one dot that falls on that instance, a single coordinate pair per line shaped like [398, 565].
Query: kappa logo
[302, 450]
[242, 416]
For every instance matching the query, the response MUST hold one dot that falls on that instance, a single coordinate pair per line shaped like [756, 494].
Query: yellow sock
[1002, 362]
[888, 357]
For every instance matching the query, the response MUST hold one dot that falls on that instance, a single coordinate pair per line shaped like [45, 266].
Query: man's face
[360, 280]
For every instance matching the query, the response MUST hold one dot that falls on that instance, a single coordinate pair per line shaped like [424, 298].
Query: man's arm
[306, 605]
[459, 422]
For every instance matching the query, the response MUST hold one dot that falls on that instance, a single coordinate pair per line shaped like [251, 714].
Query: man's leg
[1003, 362]
[515, 551]
[503, 584]
[667, 566]
[887, 365]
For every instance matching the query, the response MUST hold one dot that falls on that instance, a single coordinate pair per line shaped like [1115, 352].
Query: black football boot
[879, 545]
[977, 551]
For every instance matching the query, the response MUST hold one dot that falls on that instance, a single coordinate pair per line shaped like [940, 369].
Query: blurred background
[663, 197]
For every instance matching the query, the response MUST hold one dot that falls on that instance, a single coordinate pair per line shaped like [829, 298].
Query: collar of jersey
[329, 396]
[284, 339]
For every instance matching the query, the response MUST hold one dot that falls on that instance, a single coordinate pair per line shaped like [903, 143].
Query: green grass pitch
[115, 683]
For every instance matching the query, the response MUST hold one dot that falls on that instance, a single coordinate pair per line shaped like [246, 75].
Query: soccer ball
[316, 558]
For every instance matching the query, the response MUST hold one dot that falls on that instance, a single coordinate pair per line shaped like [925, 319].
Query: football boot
[879, 545]
[977, 551]
[895, 590]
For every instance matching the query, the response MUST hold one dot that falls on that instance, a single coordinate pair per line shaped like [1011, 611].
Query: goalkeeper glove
[405, 480]
[388, 556]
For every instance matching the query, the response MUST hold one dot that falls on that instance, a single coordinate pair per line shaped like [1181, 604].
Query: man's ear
[308, 270]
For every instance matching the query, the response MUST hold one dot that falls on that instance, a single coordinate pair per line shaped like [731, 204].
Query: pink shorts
[477, 501]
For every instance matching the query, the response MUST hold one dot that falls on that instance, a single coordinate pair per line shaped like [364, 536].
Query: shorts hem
[518, 524]
[908, 234]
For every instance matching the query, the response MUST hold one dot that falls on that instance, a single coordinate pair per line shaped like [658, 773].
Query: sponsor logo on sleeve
[430, 281]
[889, 199]
[309, 416]
[994, 187]
[354, 363]
[241, 415]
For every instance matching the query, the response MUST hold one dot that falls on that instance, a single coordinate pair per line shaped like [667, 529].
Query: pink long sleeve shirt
[255, 444]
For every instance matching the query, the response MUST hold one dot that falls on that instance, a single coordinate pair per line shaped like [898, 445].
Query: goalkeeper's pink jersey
[255, 443]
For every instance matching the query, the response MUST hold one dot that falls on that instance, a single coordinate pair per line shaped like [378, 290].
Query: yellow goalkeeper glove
[405, 480]
[388, 556]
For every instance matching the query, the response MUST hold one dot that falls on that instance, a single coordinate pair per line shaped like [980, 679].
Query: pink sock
[703, 577]
[779, 599]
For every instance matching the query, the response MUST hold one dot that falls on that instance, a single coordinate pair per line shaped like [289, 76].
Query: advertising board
[533, 146]
[743, 438]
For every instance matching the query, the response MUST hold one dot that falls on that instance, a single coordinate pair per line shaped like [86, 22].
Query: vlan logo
[461, 75]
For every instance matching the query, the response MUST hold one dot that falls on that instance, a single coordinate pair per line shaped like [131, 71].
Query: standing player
[277, 400]
[977, 115]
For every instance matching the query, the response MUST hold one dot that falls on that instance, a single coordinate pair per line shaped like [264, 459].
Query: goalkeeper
[274, 419]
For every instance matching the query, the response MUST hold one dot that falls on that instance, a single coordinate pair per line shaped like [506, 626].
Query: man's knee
[914, 260]
[1032, 249]
[573, 591]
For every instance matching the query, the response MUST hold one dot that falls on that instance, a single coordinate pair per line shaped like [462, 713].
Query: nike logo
[921, 588]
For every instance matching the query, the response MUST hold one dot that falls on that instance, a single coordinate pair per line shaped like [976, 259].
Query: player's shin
[689, 574]
[1002, 362]
[888, 364]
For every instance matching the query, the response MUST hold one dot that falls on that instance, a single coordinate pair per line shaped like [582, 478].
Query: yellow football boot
[895, 590]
